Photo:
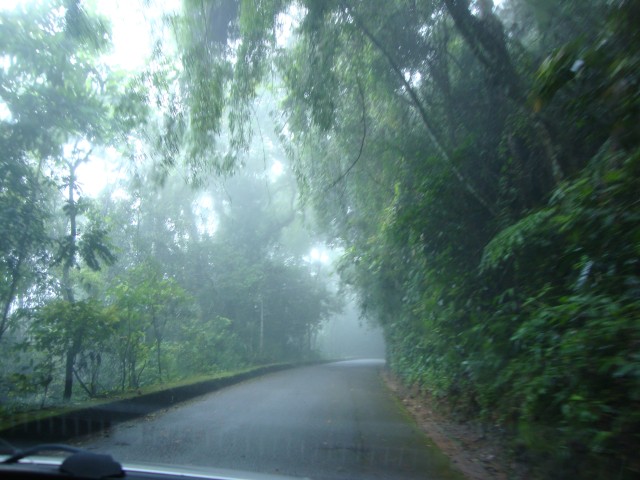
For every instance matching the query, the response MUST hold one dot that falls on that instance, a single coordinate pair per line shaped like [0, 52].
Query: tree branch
[82, 384]
[440, 148]
[485, 38]
[364, 136]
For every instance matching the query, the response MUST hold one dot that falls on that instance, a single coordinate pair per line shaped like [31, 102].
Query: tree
[63, 103]
[475, 169]
[67, 329]
[23, 216]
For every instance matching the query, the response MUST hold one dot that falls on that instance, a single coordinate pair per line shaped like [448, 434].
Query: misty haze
[354, 239]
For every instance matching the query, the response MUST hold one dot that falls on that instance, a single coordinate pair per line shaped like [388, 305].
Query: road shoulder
[477, 455]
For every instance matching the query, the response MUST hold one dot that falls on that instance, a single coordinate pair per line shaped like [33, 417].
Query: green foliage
[505, 245]
[159, 281]
[22, 216]
[208, 346]
[486, 199]
[79, 329]
[479, 166]
[94, 247]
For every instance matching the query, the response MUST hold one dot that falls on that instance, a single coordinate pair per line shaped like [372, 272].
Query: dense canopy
[476, 164]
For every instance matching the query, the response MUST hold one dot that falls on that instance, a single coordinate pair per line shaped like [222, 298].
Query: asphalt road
[331, 421]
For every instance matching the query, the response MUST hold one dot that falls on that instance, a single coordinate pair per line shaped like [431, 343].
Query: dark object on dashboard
[91, 465]
[80, 464]
[29, 464]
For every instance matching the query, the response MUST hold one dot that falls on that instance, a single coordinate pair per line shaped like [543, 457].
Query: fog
[184, 186]
[348, 335]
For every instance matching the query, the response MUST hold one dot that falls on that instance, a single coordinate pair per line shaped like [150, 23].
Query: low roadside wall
[92, 419]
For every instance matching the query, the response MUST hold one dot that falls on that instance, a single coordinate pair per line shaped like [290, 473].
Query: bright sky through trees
[318, 255]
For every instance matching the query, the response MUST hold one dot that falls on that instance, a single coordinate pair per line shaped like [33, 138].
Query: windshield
[325, 239]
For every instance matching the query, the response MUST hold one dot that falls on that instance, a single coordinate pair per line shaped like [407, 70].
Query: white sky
[206, 221]
[11, 4]
[132, 32]
[319, 255]
[134, 27]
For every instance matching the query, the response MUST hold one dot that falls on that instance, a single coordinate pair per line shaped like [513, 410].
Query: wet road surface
[330, 421]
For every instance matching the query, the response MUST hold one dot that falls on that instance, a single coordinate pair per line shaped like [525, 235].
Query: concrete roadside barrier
[61, 427]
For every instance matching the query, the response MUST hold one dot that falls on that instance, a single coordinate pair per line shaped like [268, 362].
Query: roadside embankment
[477, 452]
[62, 424]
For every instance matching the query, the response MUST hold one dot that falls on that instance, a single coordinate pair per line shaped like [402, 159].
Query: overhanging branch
[362, 140]
[440, 148]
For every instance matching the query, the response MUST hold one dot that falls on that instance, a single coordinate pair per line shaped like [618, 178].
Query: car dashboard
[82, 464]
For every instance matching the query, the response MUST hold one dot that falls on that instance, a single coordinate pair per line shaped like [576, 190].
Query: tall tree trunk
[68, 373]
[485, 36]
[66, 271]
[157, 331]
[158, 357]
[73, 233]
[15, 278]
[66, 284]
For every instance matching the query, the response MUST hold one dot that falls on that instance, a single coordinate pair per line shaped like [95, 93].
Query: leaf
[505, 244]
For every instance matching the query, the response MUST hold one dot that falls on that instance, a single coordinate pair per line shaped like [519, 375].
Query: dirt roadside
[477, 454]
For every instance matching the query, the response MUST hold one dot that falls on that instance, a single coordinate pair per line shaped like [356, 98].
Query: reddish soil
[478, 454]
